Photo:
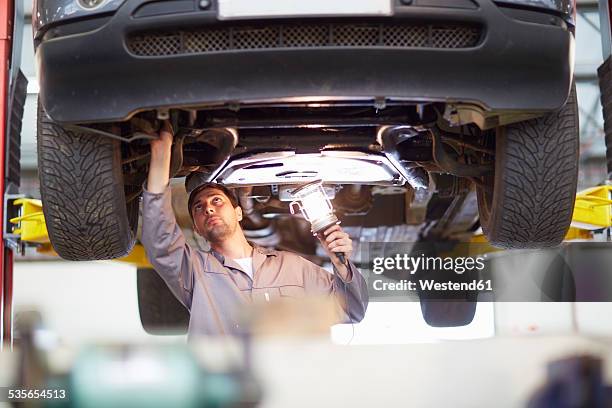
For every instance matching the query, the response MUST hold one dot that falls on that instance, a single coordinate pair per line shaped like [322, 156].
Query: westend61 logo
[422, 263]
[426, 269]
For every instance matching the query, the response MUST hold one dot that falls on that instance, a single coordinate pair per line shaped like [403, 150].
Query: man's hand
[161, 153]
[335, 240]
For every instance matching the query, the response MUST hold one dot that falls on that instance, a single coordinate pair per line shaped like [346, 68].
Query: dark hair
[216, 186]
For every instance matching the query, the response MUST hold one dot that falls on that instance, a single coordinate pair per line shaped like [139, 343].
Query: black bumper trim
[517, 66]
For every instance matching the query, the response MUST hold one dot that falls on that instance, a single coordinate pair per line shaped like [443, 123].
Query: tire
[447, 308]
[160, 311]
[448, 313]
[529, 201]
[442, 308]
[81, 185]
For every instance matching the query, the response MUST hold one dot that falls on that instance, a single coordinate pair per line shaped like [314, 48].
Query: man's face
[214, 217]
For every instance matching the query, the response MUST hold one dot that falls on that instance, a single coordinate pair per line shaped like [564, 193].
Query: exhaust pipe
[389, 137]
[258, 230]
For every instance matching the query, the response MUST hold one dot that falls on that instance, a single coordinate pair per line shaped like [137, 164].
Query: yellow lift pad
[593, 209]
[30, 225]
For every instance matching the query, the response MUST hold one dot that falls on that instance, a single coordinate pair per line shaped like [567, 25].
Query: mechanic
[215, 285]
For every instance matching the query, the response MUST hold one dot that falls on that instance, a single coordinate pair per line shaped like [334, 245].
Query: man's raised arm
[162, 238]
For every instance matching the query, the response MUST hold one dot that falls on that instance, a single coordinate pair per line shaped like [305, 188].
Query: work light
[316, 208]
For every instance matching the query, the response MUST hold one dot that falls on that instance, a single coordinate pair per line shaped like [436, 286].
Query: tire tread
[82, 192]
[536, 179]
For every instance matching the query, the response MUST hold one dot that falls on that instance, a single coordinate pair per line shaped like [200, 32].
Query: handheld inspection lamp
[316, 208]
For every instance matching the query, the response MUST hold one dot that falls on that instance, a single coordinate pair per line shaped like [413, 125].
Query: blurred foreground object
[574, 382]
[132, 375]
[306, 316]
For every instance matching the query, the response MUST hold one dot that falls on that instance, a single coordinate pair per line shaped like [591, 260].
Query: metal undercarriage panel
[332, 167]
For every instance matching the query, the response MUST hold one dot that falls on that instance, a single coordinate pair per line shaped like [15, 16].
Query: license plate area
[248, 9]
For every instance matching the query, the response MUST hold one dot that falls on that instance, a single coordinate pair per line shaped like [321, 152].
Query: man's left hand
[335, 240]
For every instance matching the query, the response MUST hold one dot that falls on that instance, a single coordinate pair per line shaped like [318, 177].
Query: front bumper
[516, 66]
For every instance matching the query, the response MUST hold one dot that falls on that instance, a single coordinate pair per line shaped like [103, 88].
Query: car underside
[384, 167]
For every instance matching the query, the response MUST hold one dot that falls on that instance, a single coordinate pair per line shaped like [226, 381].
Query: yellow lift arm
[592, 210]
[31, 227]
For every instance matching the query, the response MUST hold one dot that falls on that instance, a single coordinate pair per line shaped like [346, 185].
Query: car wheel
[448, 313]
[81, 185]
[160, 311]
[529, 201]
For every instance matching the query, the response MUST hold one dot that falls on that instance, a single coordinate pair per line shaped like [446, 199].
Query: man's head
[215, 211]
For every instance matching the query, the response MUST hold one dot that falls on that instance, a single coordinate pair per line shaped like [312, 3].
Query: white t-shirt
[247, 265]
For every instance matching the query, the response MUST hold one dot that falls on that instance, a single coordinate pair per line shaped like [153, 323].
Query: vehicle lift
[24, 223]
[11, 27]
